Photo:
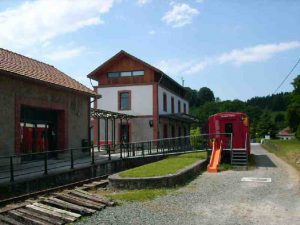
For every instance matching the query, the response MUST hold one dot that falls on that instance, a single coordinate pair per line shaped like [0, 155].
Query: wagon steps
[62, 207]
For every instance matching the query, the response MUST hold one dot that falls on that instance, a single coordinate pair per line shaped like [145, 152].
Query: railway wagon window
[228, 129]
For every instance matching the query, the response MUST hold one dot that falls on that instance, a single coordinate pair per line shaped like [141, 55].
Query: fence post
[231, 142]
[108, 150]
[12, 179]
[143, 151]
[121, 150]
[72, 158]
[93, 155]
[150, 147]
[46, 163]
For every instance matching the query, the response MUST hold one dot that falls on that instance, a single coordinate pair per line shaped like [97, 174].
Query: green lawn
[288, 150]
[139, 195]
[169, 165]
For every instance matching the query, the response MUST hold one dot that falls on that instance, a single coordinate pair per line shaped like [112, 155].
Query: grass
[139, 195]
[288, 150]
[170, 165]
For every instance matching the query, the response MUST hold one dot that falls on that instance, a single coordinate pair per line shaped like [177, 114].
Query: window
[124, 100]
[138, 73]
[179, 106]
[113, 74]
[179, 132]
[125, 74]
[165, 102]
[228, 129]
[172, 104]
[184, 107]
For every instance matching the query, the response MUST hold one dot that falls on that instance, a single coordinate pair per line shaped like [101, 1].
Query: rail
[29, 164]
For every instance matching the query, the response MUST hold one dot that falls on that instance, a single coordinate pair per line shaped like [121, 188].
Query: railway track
[57, 206]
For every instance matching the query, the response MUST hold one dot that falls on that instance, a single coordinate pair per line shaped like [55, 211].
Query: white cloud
[174, 67]
[62, 54]
[258, 53]
[35, 22]
[142, 2]
[152, 32]
[179, 15]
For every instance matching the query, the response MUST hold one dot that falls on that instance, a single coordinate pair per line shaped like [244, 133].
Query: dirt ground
[220, 198]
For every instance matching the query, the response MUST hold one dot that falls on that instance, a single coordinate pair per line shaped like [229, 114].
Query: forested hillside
[268, 114]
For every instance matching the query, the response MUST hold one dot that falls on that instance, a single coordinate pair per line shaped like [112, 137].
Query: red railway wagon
[222, 125]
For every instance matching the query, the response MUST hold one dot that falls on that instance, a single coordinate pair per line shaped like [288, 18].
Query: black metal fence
[30, 164]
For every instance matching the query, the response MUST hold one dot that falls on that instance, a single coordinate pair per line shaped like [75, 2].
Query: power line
[294, 67]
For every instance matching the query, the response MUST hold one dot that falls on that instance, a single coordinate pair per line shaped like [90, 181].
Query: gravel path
[220, 198]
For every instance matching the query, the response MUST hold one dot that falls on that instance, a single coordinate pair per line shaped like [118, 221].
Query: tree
[205, 95]
[192, 96]
[265, 126]
[293, 112]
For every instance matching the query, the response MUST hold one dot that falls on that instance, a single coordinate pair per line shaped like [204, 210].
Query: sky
[239, 49]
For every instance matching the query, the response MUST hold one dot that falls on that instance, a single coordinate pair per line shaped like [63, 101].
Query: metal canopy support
[98, 138]
[106, 131]
[102, 114]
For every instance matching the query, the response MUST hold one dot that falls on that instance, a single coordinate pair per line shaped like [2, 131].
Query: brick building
[41, 108]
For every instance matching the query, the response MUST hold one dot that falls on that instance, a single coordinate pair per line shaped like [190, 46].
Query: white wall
[141, 99]
[161, 111]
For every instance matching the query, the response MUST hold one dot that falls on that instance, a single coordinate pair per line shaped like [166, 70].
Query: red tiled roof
[285, 132]
[30, 68]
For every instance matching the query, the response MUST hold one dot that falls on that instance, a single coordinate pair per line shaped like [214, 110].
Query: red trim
[179, 106]
[165, 102]
[62, 119]
[95, 121]
[155, 112]
[129, 99]
[172, 105]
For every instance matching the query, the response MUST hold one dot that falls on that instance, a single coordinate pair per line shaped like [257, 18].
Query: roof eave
[48, 83]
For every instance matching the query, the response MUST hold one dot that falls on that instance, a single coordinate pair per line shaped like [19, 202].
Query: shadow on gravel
[264, 161]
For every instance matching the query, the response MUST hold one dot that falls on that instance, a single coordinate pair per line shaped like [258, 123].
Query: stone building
[41, 108]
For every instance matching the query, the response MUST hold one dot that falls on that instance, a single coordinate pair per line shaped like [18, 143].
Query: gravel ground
[220, 199]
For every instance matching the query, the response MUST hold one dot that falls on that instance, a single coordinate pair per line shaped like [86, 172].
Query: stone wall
[170, 180]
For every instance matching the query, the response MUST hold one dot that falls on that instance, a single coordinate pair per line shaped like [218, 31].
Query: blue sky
[239, 49]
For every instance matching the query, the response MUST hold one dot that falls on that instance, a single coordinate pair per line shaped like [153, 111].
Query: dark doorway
[165, 131]
[124, 133]
[38, 130]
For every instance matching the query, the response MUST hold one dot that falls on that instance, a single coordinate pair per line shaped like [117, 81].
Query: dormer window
[126, 74]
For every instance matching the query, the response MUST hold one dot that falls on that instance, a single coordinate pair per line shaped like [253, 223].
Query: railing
[29, 164]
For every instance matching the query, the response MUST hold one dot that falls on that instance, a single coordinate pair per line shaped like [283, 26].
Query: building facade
[42, 109]
[131, 86]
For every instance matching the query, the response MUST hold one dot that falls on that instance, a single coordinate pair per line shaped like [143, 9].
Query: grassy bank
[288, 150]
[139, 195]
[170, 165]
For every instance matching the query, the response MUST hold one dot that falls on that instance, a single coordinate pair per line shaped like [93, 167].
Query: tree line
[268, 114]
